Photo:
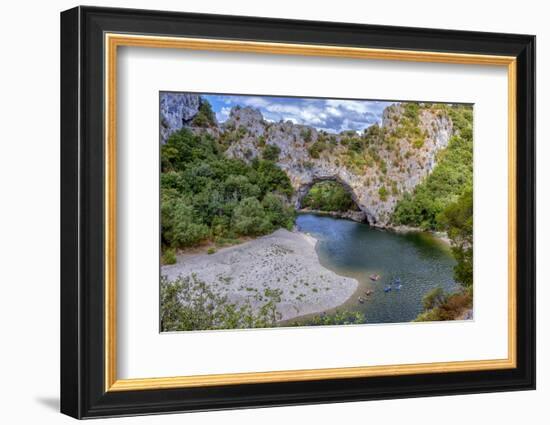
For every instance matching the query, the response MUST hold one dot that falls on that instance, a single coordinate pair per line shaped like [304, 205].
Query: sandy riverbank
[282, 260]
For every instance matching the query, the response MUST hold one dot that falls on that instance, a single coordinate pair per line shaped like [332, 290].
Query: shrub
[271, 153]
[180, 226]
[383, 193]
[189, 304]
[169, 257]
[205, 117]
[306, 135]
[338, 318]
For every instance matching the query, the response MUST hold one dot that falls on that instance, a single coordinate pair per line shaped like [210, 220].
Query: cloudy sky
[332, 115]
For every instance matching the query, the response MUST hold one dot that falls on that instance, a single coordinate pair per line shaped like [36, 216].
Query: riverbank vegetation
[206, 196]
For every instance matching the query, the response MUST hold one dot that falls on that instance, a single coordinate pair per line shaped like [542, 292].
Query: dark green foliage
[249, 218]
[169, 257]
[383, 193]
[261, 141]
[189, 304]
[205, 195]
[271, 153]
[205, 117]
[458, 221]
[411, 111]
[329, 196]
[181, 226]
[315, 149]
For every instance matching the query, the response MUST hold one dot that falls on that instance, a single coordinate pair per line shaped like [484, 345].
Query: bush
[458, 220]
[338, 318]
[433, 298]
[383, 193]
[447, 307]
[180, 226]
[314, 151]
[189, 304]
[271, 153]
[306, 135]
[278, 214]
[205, 117]
[169, 257]
[249, 218]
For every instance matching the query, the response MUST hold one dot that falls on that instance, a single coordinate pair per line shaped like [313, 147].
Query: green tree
[458, 220]
[180, 227]
[249, 218]
[205, 117]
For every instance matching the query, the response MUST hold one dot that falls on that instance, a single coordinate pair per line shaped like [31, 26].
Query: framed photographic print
[261, 212]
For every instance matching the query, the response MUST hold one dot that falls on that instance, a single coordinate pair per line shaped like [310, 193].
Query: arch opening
[333, 196]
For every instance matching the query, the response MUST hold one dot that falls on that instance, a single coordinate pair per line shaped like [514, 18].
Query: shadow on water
[421, 261]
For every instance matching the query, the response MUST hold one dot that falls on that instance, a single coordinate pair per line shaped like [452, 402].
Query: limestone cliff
[176, 111]
[376, 167]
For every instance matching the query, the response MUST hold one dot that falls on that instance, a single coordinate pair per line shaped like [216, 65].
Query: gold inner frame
[113, 41]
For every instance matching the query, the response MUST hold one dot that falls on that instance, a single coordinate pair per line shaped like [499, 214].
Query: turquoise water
[357, 250]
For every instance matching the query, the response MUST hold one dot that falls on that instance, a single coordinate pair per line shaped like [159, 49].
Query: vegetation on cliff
[451, 177]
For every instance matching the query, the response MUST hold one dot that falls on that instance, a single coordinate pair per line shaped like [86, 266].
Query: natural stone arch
[304, 187]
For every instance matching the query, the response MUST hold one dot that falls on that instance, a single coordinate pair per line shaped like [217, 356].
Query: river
[421, 261]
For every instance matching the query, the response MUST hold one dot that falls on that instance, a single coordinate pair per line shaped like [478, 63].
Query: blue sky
[332, 115]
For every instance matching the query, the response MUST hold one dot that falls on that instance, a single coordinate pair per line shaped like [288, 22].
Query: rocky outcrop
[376, 167]
[177, 110]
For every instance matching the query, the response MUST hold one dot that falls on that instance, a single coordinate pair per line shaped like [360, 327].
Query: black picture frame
[83, 392]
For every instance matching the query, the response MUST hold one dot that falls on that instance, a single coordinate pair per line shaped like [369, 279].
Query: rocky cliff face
[376, 167]
[177, 111]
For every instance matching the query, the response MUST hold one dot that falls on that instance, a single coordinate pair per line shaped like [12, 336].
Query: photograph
[285, 210]
[280, 211]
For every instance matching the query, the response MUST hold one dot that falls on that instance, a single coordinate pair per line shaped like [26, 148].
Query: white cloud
[223, 113]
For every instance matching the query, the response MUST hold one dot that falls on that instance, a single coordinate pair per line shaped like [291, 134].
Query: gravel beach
[283, 260]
